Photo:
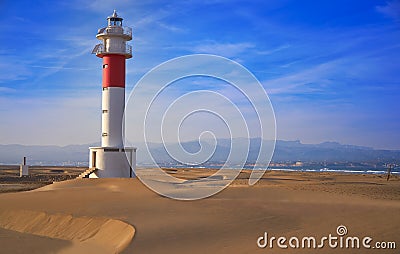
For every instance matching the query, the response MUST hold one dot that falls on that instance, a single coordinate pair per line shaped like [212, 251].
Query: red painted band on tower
[114, 70]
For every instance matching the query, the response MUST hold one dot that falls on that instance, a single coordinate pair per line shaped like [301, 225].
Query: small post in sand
[388, 171]
[23, 168]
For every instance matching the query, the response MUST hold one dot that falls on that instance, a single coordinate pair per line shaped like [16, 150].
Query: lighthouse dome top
[114, 37]
[114, 29]
[114, 20]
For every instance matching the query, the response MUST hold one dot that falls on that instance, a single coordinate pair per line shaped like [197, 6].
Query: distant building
[23, 168]
[299, 164]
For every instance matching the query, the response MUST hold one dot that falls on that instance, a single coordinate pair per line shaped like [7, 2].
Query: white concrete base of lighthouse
[112, 162]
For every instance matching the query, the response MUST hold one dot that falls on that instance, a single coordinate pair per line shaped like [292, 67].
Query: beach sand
[122, 215]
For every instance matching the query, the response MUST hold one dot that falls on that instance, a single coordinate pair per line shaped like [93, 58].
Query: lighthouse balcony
[100, 51]
[122, 31]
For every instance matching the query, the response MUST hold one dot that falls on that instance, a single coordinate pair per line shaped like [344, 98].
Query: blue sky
[331, 68]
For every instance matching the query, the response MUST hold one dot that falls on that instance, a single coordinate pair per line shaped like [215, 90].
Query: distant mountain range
[284, 151]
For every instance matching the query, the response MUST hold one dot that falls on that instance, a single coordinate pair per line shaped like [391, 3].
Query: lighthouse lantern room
[112, 159]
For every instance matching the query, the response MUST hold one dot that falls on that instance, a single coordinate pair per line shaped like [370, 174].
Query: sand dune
[86, 233]
[282, 203]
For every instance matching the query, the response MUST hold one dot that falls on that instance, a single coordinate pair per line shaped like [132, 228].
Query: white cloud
[273, 50]
[223, 49]
[13, 70]
[7, 90]
[99, 6]
[299, 82]
[171, 28]
[391, 9]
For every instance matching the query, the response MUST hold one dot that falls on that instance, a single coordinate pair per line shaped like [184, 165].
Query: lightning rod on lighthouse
[112, 159]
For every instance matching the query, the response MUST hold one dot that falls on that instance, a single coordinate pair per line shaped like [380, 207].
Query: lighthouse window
[105, 66]
[111, 150]
[115, 22]
[105, 111]
[104, 134]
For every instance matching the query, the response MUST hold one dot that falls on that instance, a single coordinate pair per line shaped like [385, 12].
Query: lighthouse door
[93, 159]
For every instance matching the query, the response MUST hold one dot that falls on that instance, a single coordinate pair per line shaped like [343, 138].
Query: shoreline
[46, 175]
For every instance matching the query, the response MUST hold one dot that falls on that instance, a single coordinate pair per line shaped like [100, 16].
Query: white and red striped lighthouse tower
[112, 159]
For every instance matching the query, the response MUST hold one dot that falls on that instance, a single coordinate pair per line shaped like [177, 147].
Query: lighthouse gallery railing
[99, 49]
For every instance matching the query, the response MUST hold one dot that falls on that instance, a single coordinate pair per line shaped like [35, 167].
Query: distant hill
[46, 155]
[284, 151]
[287, 151]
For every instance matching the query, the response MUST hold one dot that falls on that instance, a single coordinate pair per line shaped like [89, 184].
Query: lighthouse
[112, 159]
